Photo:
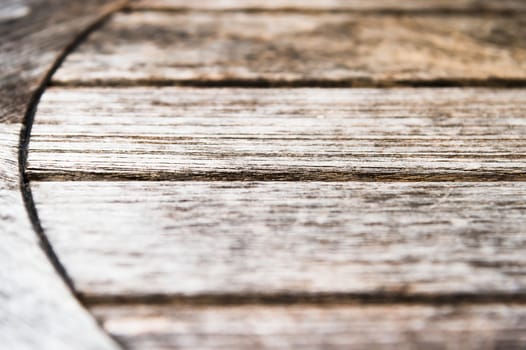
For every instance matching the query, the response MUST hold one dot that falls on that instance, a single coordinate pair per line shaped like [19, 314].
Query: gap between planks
[382, 6]
[302, 299]
[500, 83]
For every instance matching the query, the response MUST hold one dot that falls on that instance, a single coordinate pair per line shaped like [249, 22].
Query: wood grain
[301, 49]
[33, 33]
[273, 239]
[13, 9]
[471, 327]
[280, 134]
[359, 5]
[9, 139]
[37, 311]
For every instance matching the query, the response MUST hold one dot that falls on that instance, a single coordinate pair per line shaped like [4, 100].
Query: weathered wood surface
[287, 238]
[280, 134]
[360, 5]
[37, 311]
[301, 49]
[33, 33]
[9, 175]
[183, 244]
[13, 9]
[470, 327]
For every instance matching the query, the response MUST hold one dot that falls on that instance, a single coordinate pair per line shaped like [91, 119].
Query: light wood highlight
[470, 327]
[192, 239]
[280, 134]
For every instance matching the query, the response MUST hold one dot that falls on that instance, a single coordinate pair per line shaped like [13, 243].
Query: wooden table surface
[338, 174]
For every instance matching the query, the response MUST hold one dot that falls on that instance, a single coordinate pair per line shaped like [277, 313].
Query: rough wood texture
[287, 238]
[9, 139]
[280, 134]
[13, 9]
[301, 49]
[37, 311]
[470, 327]
[32, 35]
[273, 242]
[360, 5]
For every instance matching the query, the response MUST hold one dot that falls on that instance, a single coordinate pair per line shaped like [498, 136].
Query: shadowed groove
[379, 298]
[24, 139]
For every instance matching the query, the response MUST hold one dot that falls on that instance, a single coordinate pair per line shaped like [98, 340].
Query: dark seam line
[491, 82]
[25, 135]
[387, 11]
[322, 176]
[304, 299]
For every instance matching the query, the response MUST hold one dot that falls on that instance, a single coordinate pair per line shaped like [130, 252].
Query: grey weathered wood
[13, 9]
[246, 239]
[304, 49]
[376, 5]
[9, 139]
[32, 35]
[235, 241]
[280, 134]
[471, 327]
[37, 311]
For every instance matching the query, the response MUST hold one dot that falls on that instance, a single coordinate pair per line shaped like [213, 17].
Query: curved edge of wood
[37, 310]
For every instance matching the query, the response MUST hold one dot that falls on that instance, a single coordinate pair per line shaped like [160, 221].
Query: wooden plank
[9, 140]
[37, 310]
[124, 240]
[471, 327]
[301, 49]
[359, 5]
[33, 33]
[280, 134]
[13, 9]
